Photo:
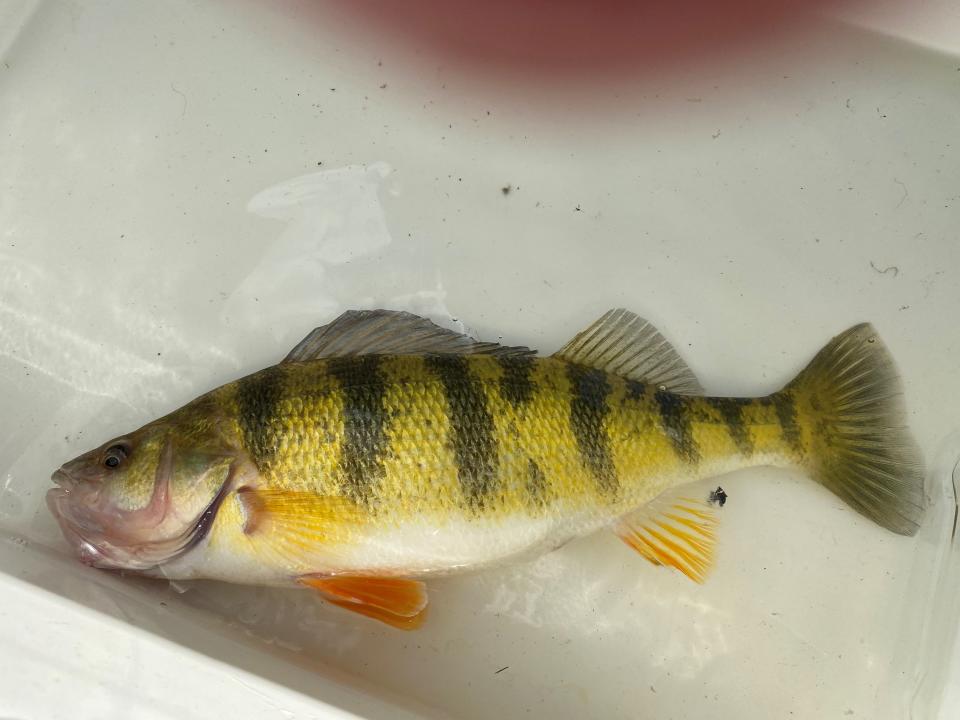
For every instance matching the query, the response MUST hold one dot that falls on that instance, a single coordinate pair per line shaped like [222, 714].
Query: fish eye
[115, 455]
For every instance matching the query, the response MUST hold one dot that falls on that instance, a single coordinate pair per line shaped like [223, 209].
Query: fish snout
[64, 480]
[75, 526]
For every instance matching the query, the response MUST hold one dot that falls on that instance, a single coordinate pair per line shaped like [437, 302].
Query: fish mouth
[99, 539]
[75, 531]
[61, 478]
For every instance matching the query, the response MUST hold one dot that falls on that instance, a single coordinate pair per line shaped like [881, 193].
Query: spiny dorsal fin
[625, 344]
[674, 531]
[390, 332]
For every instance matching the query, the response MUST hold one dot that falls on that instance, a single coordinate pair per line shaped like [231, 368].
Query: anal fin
[677, 531]
[398, 602]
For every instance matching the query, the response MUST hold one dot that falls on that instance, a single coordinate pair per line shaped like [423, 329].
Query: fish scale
[578, 435]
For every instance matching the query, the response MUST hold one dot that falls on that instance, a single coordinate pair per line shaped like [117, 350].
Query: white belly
[421, 548]
[413, 549]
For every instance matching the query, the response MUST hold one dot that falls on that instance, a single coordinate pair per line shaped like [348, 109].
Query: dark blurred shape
[570, 38]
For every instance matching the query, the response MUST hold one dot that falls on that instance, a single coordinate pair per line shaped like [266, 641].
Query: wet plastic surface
[186, 190]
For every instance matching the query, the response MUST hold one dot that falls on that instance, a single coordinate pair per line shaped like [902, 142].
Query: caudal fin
[850, 413]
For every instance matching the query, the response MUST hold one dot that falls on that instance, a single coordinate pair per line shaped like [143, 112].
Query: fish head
[144, 498]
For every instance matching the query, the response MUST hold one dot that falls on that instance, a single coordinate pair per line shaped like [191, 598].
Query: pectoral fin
[299, 516]
[297, 527]
[398, 602]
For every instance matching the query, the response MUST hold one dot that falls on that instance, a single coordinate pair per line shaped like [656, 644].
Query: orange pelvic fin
[398, 602]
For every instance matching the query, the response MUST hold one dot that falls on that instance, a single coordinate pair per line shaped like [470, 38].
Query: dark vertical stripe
[635, 390]
[471, 425]
[787, 415]
[673, 415]
[364, 423]
[731, 409]
[536, 484]
[516, 385]
[588, 408]
[257, 399]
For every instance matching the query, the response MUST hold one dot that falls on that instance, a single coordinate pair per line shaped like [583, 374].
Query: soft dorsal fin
[390, 332]
[625, 344]
[674, 530]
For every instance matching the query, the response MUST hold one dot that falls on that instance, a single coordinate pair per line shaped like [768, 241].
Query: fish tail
[845, 415]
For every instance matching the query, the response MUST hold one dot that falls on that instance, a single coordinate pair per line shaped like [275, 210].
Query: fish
[385, 450]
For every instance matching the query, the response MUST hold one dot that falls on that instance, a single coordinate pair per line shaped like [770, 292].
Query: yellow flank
[438, 439]
[534, 439]
[711, 433]
[766, 431]
[810, 427]
[417, 464]
[295, 432]
[643, 454]
[308, 453]
[744, 427]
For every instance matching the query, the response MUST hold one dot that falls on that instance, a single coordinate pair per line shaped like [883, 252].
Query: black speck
[718, 497]
[578, 209]
[383, 86]
[506, 189]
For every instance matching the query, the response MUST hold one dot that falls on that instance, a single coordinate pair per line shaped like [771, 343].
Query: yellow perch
[384, 449]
